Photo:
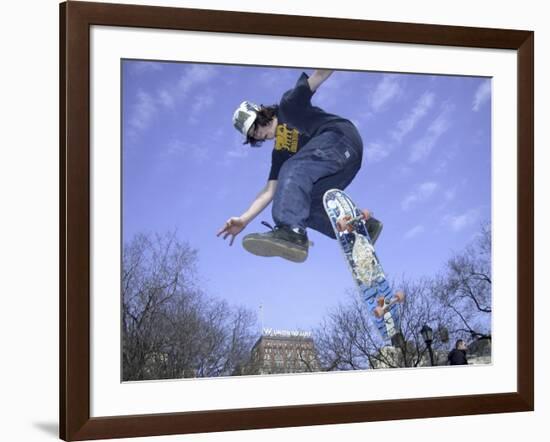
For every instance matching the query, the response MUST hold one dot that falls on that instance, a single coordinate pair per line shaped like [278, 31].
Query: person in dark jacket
[457, 356]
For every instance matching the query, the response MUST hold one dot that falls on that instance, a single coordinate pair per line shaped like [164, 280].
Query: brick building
[279, 351]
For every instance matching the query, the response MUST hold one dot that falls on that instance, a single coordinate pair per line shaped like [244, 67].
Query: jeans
[329, 160]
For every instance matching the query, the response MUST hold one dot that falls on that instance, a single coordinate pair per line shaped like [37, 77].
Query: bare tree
[456, 304]
[170, 327]
[342, 343]
[465, 289]
[348, 340]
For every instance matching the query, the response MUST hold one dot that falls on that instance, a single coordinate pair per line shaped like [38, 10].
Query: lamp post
[428, 334]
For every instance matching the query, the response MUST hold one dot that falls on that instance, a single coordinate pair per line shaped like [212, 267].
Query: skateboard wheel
[399, 296]
[342, 224]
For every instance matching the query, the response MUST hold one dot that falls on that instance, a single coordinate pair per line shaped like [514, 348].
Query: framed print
[170, 321]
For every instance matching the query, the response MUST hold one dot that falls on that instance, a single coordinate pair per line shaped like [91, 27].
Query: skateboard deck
[350, 229]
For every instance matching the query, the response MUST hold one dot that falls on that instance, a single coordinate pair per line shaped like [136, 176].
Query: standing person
[457, 356]
[314, 151]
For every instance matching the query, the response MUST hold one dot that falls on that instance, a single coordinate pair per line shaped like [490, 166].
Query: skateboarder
[313, 151]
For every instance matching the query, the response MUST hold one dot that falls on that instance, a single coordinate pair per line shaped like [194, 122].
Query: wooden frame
[75, 21]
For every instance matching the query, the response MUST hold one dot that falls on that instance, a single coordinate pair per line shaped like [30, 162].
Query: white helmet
[244, 116]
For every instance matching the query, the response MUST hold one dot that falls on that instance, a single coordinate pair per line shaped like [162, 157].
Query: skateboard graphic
[349, 224]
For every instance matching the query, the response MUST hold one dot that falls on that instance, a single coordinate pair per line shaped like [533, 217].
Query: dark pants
[329, 160]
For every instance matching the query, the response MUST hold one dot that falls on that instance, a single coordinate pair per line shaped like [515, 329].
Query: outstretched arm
[318, 77]
[261, 202]
[235, 225]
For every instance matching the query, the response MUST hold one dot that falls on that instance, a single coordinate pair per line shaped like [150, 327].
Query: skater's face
[262, 133]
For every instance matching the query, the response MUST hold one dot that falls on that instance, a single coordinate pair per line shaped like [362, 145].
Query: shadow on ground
[51, 428]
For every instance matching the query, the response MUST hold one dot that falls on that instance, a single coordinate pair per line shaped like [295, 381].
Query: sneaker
[281, 241]
[374, 227]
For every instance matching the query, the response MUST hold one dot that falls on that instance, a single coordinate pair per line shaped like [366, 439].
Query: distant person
[313, 151]
[457, 356]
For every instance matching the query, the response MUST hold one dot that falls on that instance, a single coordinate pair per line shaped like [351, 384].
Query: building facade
[283, 352]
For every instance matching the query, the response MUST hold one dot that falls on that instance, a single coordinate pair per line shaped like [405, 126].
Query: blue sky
[426, 174]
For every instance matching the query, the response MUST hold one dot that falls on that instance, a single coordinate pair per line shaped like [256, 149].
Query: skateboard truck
[384, 304]
[347, 222]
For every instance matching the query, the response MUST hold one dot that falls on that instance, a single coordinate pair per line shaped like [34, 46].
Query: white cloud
[329, 93]
[417, 230]
[459, 222]
[218, 135]
[423, 147]
[194, 76]
[450, 194]
[237, 151]
[402, 171]
[140, 67]
[176, 147]
[193, 151]
[387, 89]
[149, 104]
[200, 104]
[223, 193]
[445, 160]
[279, 79]
[408, 123]
[447, 197]
[143, 111]
[482, 95]
[376, 152]
[166, 99]
[422, 193]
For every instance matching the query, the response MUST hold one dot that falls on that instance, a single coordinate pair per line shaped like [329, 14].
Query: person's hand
[232, 227]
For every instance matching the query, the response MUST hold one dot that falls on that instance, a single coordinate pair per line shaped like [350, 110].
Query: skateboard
[350, 229]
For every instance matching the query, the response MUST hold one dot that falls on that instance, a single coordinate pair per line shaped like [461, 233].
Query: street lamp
[428, 335]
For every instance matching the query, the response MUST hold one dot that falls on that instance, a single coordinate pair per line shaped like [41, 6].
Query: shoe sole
[377, 231]
[267, 248]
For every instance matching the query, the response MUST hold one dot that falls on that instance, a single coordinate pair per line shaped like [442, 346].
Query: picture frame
[76, 18]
